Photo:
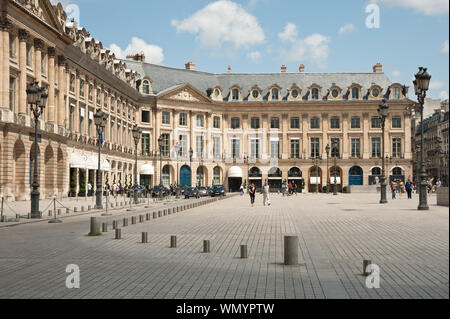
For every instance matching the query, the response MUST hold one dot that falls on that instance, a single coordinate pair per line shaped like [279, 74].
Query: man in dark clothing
[252, 193]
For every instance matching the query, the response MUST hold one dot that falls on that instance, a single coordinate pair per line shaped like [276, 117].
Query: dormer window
[396, 93]
[216, 92]
[255, 94]
[235, 94]
[375, 92]
[294, 93]
[355, 93]
[146, 87]
[315, 94]
[275, 94]
[334, 93]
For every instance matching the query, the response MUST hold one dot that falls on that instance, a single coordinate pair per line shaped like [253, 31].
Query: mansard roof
[165, 77]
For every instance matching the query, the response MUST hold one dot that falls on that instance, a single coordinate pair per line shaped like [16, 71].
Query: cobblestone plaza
[335, 236]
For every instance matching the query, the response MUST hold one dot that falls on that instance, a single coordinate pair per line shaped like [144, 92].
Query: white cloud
[396, 73]
[289, 34]
[428, 7]
[436, 85]
[153, 53]
[444, 49]
[223, 22]
[255, 56]
[313, 48]
[443, 95]
[347, 28]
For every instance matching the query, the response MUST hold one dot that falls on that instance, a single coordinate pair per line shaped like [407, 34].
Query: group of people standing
[252, 193]
[399, 187]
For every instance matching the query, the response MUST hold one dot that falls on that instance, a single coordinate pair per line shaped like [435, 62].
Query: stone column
[366, 142]
[245, 151]
[345, 146]
[23, 38]
[192, 133]
[407, 142]
[62, 90]
[76, 112]
[224, 135]
[38, 47]
[209, 141]
[265, 150]
[284, 135]
[51, 88]
[5, 27]
[174, 138]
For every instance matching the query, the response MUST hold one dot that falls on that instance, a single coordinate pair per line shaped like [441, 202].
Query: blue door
[185, 176]
[355, 176]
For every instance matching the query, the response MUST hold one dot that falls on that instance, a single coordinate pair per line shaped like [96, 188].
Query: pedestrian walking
[252, 193]
[393, 188]
[283, 188]
[266, 191]
[409, 189]
[241, 190]
[400, 188]
[89, 188]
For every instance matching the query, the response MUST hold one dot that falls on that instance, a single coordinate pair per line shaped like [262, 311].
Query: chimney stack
[190, 66]
[229, 69]
[378, 68]
[301, 69]
[140, 57]
[283, 68]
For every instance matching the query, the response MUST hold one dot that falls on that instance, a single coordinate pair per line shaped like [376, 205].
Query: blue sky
[258, 36]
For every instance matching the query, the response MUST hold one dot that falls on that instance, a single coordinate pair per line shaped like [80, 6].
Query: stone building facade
[242, 128]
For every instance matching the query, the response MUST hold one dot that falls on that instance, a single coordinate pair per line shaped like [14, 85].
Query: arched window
[295, 172]
[216, 177]
[376, 171]
[397, 171]
[235, 94]
[275, 172]
[255, 172]
[355, 93]
[315, 94]
[200, 176]
[166, 175]
[146, 87]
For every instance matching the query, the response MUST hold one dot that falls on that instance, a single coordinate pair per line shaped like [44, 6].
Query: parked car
[140, 189]
[157, 190]
[191, 192]
[203, 191]
[218, 190]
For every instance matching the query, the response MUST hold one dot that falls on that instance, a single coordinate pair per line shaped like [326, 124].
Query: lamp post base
[35, 213]
[55, 221]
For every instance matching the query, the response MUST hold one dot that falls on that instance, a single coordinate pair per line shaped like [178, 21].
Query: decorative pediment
[43, 10]
[185, 92]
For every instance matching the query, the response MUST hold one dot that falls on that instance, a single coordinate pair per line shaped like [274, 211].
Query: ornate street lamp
[421, 85]
[191, 154]
[160, 144]
[136, 135]
[327, 149]
[334, 154]
[37, 99]
[383, 112]
[100, 122]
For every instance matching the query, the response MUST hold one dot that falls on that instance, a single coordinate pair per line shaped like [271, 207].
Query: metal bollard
[165, 212]
[206, 246]
[75, 209]
[95, 227]
[173, 241]
[169, 211]
[82, 208]
[290, 250]
[118, 233]
[67, 211]
[50, 213]
[125, 222]
[366, 263]
[244, 253]
[145, 238]
[104, 227]
[89, 207]
[133, 220]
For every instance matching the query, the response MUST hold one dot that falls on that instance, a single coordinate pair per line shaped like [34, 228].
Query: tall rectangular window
[89, 127]
[254, 123]
[295, 123]
[235, 94]
[145, 144]
[216, 122]
[199, 146]
[335, 123]
[376, 122]
[29, 55]
[90, 92]
[81, 121]
[355, 93]
[165, 144]
[183, 144]
[397, 147]
[376, 147]
[355, 122]
[235, 148]
[337, 151]
[295, 148]
[274, 123]
[98, 96]
[396, 93]
[72, 83]
[145, 116]
[356, 147]
[200, 121]
[315, 147]
[12, 46]
[254, 148]
[82, 88]
[216, 147]
[12, 94]
[165, 117]
[274, 148]
[396, 122]
[183, 119]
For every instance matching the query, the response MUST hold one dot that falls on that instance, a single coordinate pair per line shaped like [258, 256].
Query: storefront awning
[235, 172]
[89, 162]
[147, 169]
